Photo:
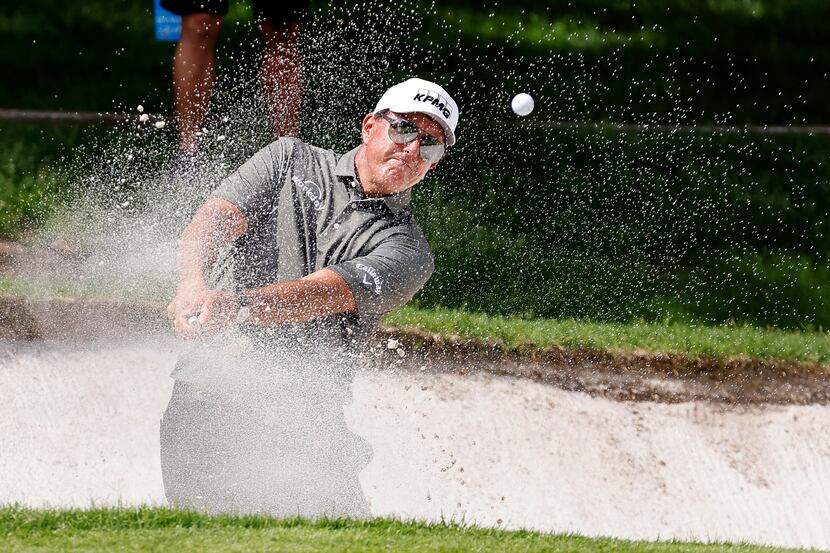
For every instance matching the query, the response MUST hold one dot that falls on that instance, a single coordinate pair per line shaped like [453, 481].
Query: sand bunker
[79, 425]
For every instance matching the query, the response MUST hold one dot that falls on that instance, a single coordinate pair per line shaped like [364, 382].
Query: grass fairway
[528, 335]
[155, 529]
[720, 341]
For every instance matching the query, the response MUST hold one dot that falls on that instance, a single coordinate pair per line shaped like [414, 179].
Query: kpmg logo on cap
[431, 97]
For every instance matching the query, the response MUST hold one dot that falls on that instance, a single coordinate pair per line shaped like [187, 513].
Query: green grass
[30, 182]
[159, 529]
[559, 224]
[528, 334]
[553, 234]
[604, 226]
[723, 341]
[97, 289]
[537, 28]
[616, 226]
[767, 53]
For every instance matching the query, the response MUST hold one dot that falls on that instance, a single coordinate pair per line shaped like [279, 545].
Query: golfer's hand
[199, 311]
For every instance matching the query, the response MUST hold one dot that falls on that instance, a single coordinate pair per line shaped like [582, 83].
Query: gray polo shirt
[306, 211]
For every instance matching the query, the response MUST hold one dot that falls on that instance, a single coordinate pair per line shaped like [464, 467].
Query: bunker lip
[621, 376]
[631, 376]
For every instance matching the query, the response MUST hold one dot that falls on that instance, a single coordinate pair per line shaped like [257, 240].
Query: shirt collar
[345, 169]
[345, 165]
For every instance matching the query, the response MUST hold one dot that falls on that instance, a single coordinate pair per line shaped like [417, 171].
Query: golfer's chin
[400, 175]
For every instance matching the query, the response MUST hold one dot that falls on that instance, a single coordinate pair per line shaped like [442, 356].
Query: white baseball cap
[420, 96]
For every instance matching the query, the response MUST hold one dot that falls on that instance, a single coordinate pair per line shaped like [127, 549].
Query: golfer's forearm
[320, 294]
[215, 224]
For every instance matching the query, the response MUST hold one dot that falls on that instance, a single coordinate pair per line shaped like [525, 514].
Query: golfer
[286, 267]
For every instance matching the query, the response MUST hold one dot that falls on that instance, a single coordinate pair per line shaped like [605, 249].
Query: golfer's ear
[368, 123]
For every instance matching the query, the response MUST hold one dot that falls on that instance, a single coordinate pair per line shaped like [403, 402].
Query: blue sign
[168, 24]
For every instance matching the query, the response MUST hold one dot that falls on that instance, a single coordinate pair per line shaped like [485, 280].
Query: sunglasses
[402, 131]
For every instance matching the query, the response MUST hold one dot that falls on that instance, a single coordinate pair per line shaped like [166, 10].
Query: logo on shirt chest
[312, 191]
[371, 278]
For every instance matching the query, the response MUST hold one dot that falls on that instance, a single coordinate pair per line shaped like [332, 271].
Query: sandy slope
[79, 424]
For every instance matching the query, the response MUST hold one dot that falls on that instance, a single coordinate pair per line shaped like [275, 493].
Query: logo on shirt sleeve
[371, 278]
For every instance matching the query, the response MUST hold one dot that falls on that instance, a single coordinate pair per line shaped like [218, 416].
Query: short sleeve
[391, 274]
[253, 188]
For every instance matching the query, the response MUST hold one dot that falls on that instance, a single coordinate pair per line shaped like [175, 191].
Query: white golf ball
[522, 104]
[160, 124]
[143, 117]
[140, 108]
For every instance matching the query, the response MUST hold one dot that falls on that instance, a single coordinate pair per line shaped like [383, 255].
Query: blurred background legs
[194, 74]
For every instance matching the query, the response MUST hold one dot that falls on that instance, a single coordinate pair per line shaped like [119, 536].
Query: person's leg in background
[194, 72]
[282, 72]
[194, 64]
